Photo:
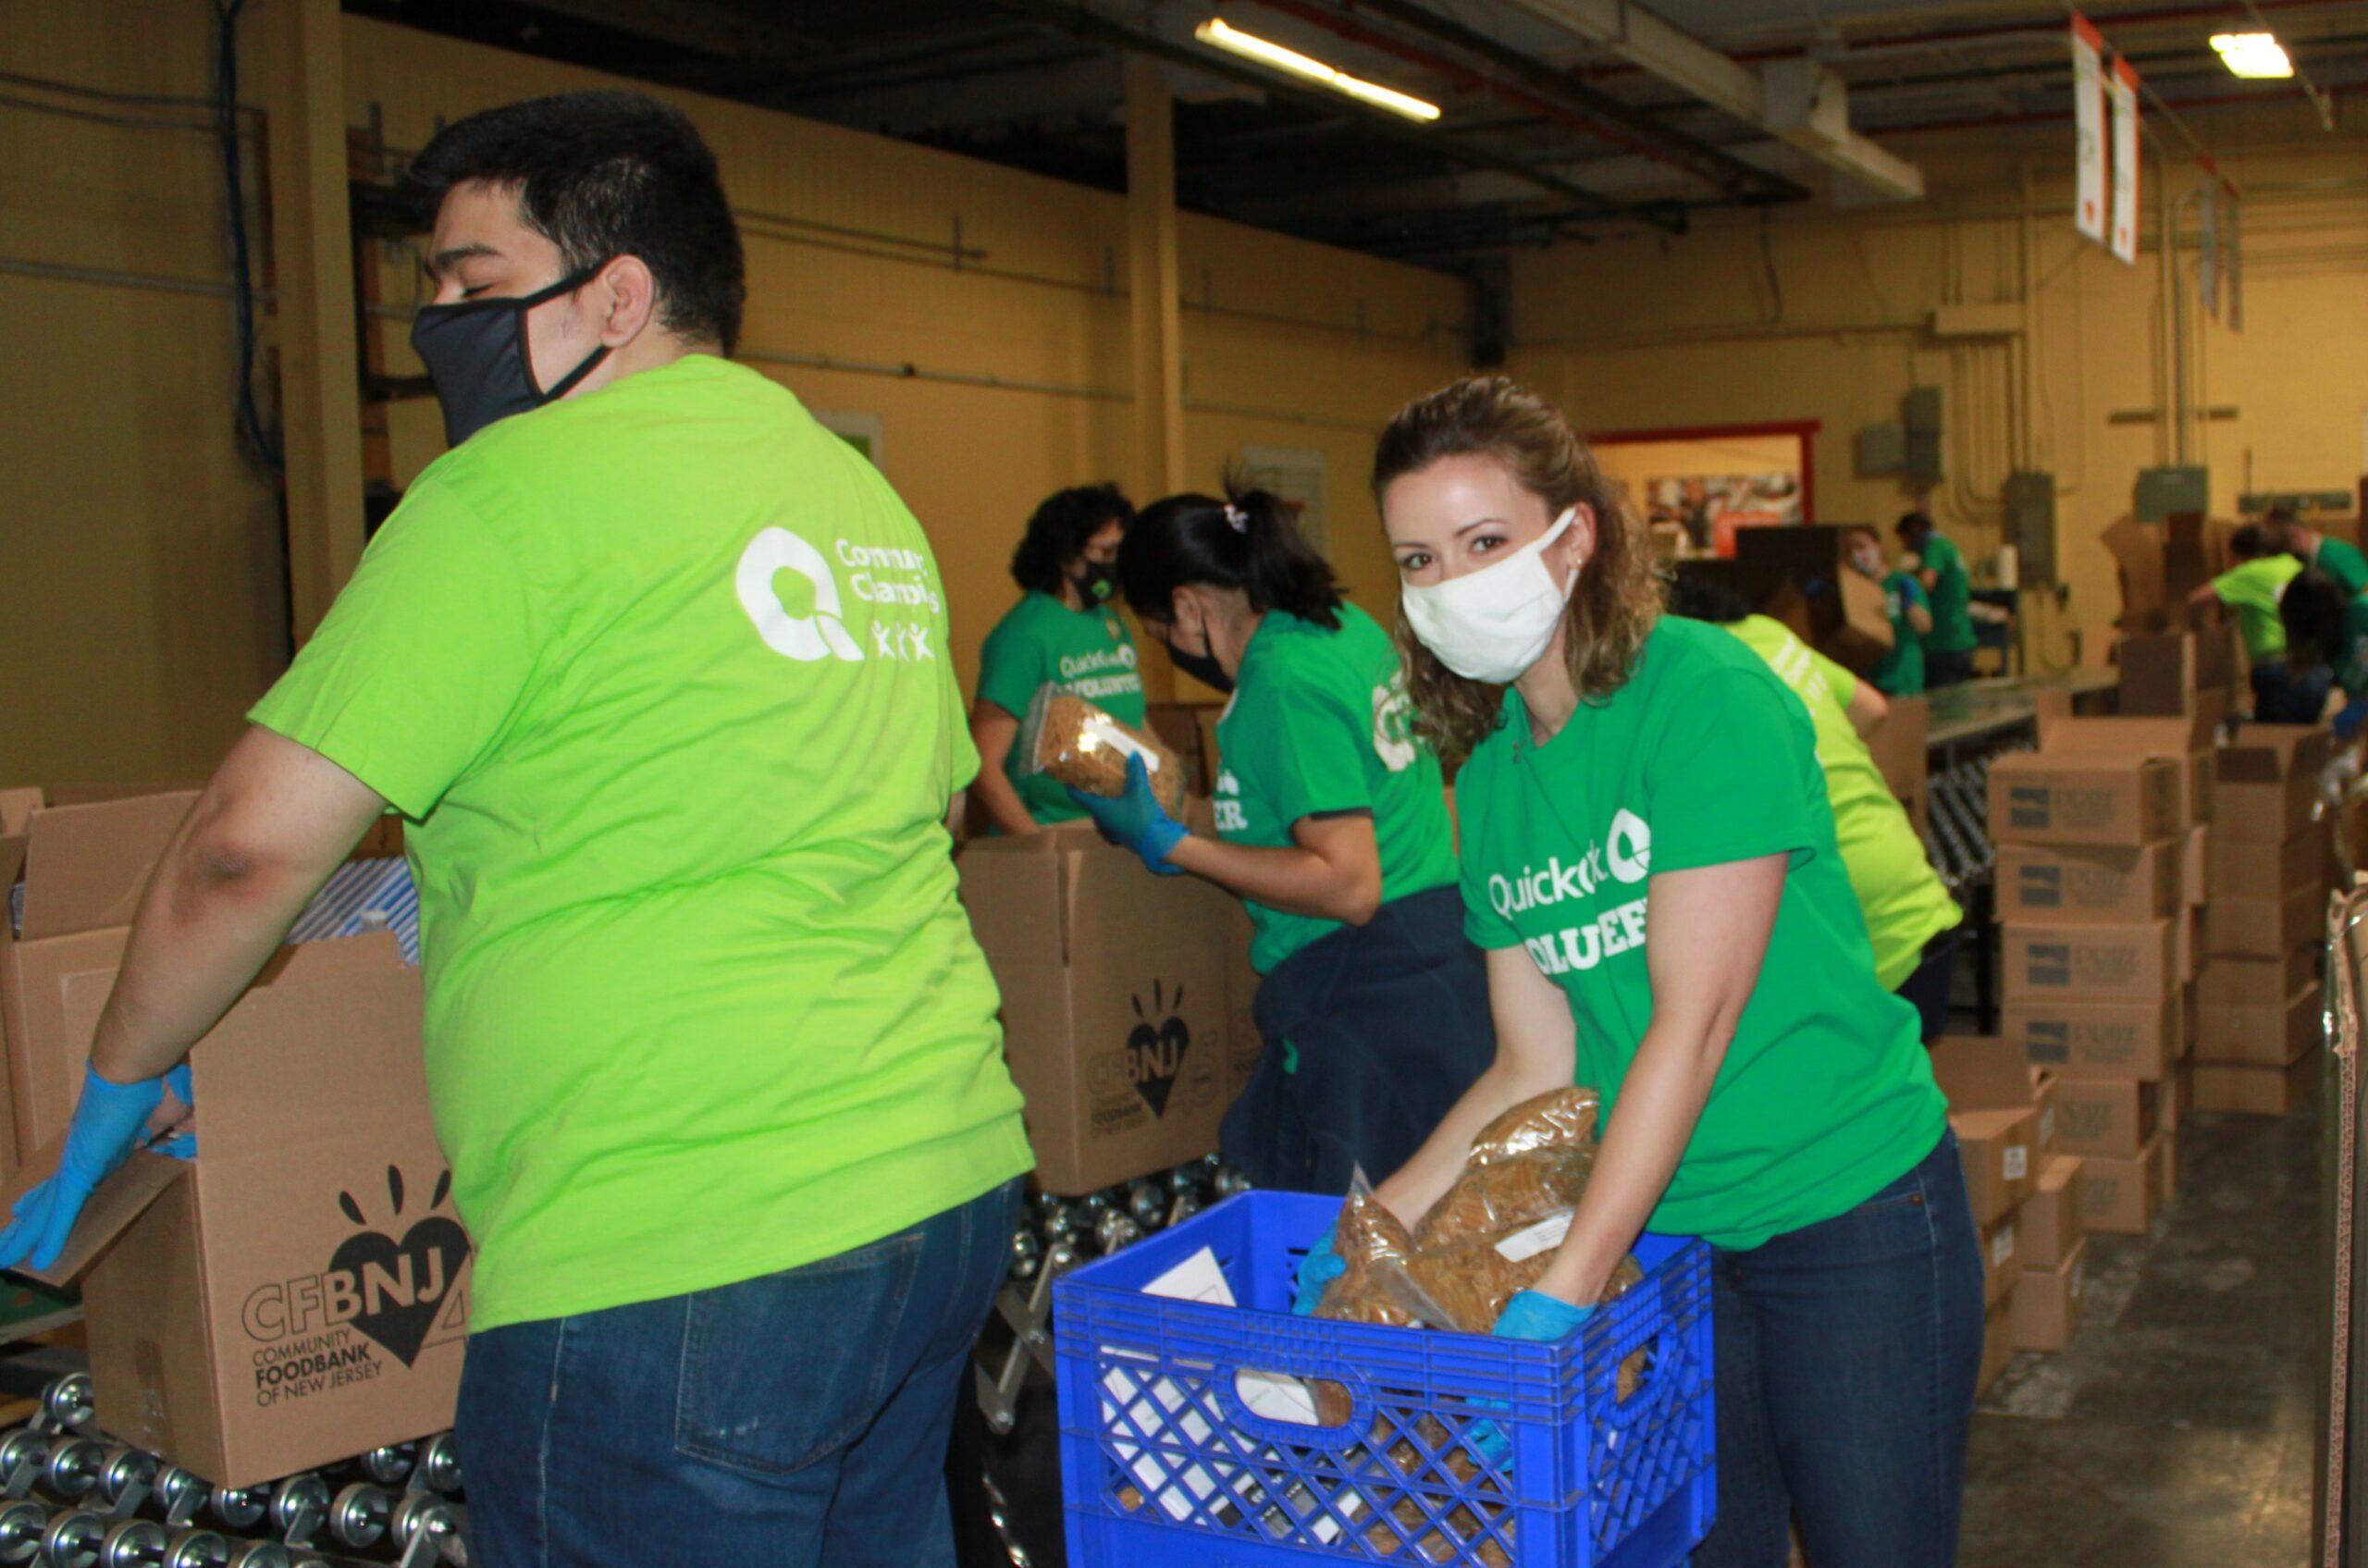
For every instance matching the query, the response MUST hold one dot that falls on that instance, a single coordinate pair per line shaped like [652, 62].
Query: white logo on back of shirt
[803, 637]
[1393, 726]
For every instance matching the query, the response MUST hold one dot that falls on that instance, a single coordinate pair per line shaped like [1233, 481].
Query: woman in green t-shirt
[1331, 827]
[1649, 860]
[1063, 632]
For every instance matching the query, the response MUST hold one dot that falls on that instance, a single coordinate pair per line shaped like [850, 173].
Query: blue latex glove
[107, 1124]
[1135, 819]
[1533, 1314]
[182, 1146]
[1320, 1268]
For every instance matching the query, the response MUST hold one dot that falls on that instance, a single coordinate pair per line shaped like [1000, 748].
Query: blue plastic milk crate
[1457, 1449]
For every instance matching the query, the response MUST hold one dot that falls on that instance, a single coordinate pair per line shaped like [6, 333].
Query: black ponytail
[1250, 540]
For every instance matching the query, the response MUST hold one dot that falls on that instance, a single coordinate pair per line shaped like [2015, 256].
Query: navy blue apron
[1372, 1033]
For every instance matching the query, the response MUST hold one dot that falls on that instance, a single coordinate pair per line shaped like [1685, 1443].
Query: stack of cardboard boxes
[2266, 872]
[2095, 831]
[2025, 1194]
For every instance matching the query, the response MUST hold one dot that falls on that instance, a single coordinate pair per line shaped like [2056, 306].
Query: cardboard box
[2106, 1115]
[1802, 576]
[2165, 675]
[2065, 884]
[2244, 868]
[1900, 746]
[2270, 1091]
[2047, 1302]
[2133, 1040]
[2195, 866]
[2137, 550]
[299, 1293]
[1999, 1262]
[2128, 962]
[1118, 1018]
[2051, 1225]
[2036, 797]
[83, 869]
[2178, 1095]
[2269, 781]
[2265, 928]
[2260, 1036]
[2186, 742]
[2000, 1150]
[2121, 1195]
[2231, 981]
[1981, 1072]
[1997, 1345]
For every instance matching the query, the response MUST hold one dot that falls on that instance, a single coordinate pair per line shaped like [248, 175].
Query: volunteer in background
[2327, 628]
[1063, 632]
[1911, 919]
[1901, 674]
[2333, 556]
[1939, 566]
[1649, 860]
[1332, 828]
[708, 1042]
[2250, 590]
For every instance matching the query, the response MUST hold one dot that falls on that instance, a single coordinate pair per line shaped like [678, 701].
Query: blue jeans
[801, 1417]
[2283, 696]
[1846, 1354]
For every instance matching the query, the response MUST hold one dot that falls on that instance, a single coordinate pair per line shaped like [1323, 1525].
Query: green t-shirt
[1901, 674]
[660, 674]
[1951, 593]
[2253, 588]
[1702, 758]
[1087, 653]
[2344, 563]
[1320, 724]
[1898, 891]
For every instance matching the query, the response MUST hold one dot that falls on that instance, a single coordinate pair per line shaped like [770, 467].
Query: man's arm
[273, 823]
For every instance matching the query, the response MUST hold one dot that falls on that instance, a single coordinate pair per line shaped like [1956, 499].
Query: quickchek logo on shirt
[1393, 726]
[1623, 860]
[889, 578]
[1105, 673]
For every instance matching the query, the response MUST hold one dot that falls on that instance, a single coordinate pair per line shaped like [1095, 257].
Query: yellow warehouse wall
[156, 610]
[1823, 314]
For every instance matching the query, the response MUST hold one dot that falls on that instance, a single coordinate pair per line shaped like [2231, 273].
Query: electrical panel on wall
[2165, 492]
[1920, 412]
[2029, 498]
[1883, 449]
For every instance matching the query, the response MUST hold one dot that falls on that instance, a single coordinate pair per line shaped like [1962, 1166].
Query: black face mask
[1202, 666]
[475, 354]
[1095, 582]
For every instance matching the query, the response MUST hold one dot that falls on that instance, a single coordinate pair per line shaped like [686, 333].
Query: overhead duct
[1797, 101]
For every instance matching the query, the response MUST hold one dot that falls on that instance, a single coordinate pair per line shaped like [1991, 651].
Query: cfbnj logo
[394, 1292]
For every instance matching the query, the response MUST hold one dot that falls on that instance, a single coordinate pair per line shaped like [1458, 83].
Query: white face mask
[1492, 625]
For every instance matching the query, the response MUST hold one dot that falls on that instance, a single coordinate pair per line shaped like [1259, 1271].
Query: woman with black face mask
[1065, 631]
[1332, 828]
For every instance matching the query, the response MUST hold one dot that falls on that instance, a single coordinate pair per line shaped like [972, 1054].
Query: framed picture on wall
[1296, 473]
[1695, 487]
[861, 431]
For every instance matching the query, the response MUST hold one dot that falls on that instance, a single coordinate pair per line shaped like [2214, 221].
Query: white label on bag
[1093, 735]
[1531, 1240]
[2018, 1162]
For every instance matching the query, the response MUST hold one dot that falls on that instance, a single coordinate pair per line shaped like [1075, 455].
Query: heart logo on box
[404, 1285]
[1155, 1051]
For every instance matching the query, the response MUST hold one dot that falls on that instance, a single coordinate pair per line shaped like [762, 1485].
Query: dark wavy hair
[1618, 596]
[1249, 539]
[2312, 611]
[1059, 529]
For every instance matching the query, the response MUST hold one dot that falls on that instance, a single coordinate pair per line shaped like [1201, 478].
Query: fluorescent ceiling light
[2252, 54]
[1233, 40]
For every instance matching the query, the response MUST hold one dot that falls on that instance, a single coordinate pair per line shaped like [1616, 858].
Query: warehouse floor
[2178, 1427]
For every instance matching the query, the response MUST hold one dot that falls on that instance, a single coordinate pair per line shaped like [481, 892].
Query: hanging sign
[2122, 88]
[2089, 113]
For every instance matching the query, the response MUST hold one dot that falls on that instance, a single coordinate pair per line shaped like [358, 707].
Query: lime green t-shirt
[1087, 653]
[1901, 674]
[1702, 758]
[659, 675]
[1320, 726]
[2344, 563]
[1952, 595]
[2253, 588]
[1898, 891]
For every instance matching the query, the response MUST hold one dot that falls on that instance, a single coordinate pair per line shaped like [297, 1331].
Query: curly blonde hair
[1618, 596]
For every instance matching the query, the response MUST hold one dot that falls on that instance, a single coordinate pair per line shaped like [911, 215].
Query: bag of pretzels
[1084, 747]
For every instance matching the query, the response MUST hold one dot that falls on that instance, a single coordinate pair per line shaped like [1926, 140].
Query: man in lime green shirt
[1911, 919]
[1064, 632]
[2250, 590]
[1937, 564]
[2319, 551]
[655, 668]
